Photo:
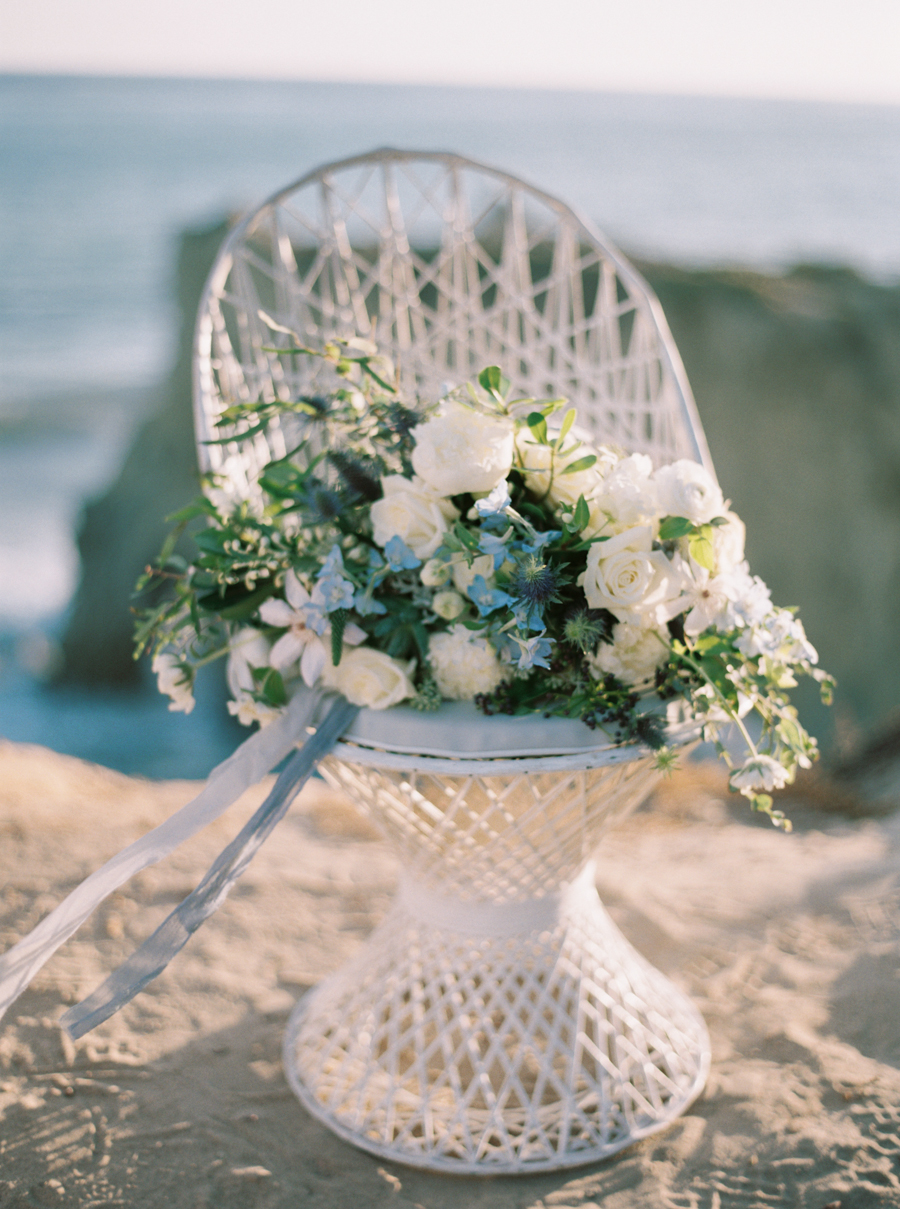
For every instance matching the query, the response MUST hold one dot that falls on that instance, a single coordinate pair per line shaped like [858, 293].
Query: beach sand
[788, 944]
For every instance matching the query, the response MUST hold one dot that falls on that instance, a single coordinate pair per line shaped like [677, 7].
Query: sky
[830, 50]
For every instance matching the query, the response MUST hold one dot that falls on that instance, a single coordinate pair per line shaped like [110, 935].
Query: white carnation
[633, 655]
[686, 489]
[463, 663]
[461, 449]
[412, 511]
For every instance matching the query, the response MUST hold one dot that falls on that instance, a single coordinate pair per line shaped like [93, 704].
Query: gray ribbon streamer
[171, 936]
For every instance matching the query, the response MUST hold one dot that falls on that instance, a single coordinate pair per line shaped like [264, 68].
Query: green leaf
[338, 624]
[701, 548]
[674, 527]
[493, 381]
[538, 426]
[581, 515]
[568, 421]
[579, 464]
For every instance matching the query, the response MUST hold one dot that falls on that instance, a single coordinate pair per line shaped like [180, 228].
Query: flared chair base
[488, 1038]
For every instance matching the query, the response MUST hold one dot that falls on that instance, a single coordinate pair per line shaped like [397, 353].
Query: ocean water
[98, 176]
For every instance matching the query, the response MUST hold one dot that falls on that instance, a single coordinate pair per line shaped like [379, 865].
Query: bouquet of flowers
[477, 547]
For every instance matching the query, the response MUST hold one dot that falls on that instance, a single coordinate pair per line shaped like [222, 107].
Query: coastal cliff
[797, 380]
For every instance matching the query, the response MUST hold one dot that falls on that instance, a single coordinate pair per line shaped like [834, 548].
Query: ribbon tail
[171, 936]
[246, 766]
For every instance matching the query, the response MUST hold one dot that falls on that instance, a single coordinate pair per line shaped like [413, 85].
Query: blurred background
[749, 162]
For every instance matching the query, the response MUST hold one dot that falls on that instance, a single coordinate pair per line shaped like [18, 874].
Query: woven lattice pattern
[494, 838]
[544, 1049]
[450, 266]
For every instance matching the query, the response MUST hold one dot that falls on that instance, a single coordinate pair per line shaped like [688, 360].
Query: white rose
[760, 774]
[173, 681]
[685, 489]
[565, 488]
[410, 510]
[463, 574]
[370, 678]
[635, 582]
[463, 663]
[627, 497]
[449, 604]
[463, 450]
[633, 656]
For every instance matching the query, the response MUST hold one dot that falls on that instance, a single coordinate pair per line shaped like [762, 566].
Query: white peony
[460, 450]
[249, 649]
[633, 655]
[635, 582]
[412, 511]
[627, 497]
[564, 488]
[685, 489]
[370, 678]
[463, 663]
[173, 681]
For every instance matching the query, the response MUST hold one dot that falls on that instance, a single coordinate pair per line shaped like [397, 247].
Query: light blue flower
[365, 605]
[528, 616]
[495, 503]
[399, 555]
[495, 545]
[331, 591]
[486, 599]
[533, 652]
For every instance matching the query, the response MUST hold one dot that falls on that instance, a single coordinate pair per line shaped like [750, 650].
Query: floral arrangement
[478, 547]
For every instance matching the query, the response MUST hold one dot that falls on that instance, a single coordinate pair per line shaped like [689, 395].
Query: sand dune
[789, 945]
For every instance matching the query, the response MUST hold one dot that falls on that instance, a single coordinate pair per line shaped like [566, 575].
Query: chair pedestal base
[528, 1036]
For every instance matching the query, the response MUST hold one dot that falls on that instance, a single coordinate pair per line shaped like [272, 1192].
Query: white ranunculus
[759, 774]
[370, 678]
[728, 543]
[249, 649]
[463, 663]
[174, 682]
[412, 511]
[463, 574]
[627, 497]
[449, 604]
[684, 488]
[635, 582]
[461, 449]
[633, 655]
[435, 573]
[564, 488]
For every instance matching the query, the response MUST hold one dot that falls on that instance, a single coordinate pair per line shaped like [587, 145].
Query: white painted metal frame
[497, 1021]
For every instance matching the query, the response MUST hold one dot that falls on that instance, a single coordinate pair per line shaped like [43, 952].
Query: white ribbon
[246, 766]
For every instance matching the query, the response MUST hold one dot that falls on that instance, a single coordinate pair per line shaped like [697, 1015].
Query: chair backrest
[449, 266]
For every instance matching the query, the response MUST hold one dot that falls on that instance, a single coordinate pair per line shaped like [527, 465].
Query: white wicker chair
[497, 1021]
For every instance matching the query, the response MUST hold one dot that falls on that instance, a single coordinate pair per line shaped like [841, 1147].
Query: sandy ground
[789, 945]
